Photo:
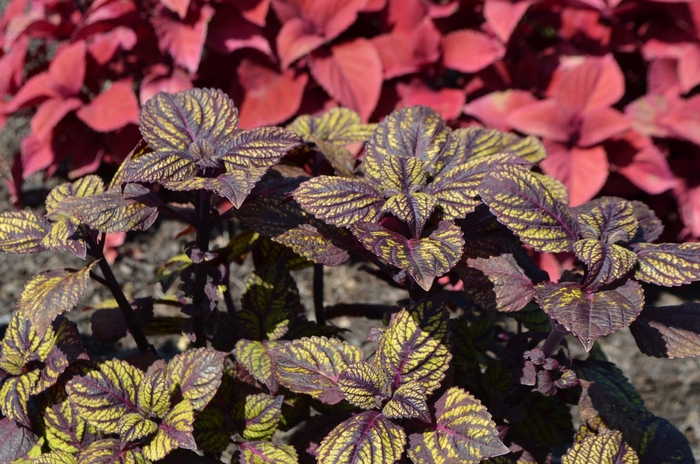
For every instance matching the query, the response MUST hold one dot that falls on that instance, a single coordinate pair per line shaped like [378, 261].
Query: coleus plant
[449, 381]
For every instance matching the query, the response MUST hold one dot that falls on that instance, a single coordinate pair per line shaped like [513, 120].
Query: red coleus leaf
[688, 198]
[352, 74]
[50, 113]
[112, 109]
[27, 21]
[262, 85]
[104, 46]
[405, 15]
[308, 24]
[36, 155]
[493, 109]
[684, 120]
[447, 102]
[229, 31]
[160, 79]
[183, 39]
[662, 78]
[12, 67]
[583, 170]
[254, 11]
[687, 56]
[404, 52]
[177, 6]
[635, 156]
[503, 15]
[579, 22]
[470, 51]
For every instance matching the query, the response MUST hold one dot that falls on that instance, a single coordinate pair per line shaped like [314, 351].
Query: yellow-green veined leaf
[22, 231]
[591, 314]
[465, 432]
[402, 174]
[522, 202]
[84, 187]
[407, 354]
[431, 316]
[67, 348]
[210, 431]
[337, 125]
[259, 415]
[605, 262]
[554, 185]
[608, 219]
[424, 258]
[416, 131]
[140, 149]
[271, 289]
[606, 447]
[172, 270]
[364, 385]
[64, 429]
[339, 157]
[66, 234]
[255, 358]
[313, 366]
[174, 121]
[308, 242]
[153, 397]
[105, 450]
[367, 438]
[198, 375]
[258, 148]
[669, 331]
[160, 167]
[103, 395]
[650, 226]
[14, 396]
[175, 431]
[23, 344]
[113, 210]
[18, 442]
[52, 293]
[413, 208]
[339, 201]
[482, 142]
[408, 401]
[234, 186]
[667, 264]
[265, 452]
[56, 457]
[133, 426]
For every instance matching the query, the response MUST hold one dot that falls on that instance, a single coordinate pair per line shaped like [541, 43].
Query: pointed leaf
[197, 373]
[464, 432]
[105, 394]
[424, 259]
[264, 452]
[583, 170]
[650, 227]
[133, 426]
[112, 109]
[184, 39]
[364, 385]
[17, 440]
[160, 167]
[259, 415]
[313, 366]
[154, 395]
[337, 125]
[14, 397]
[352, 74]
[407, 354]
[587, 314]
[447, 102]
[667, 264]
[367, 438]
[608, 219]
[606, 263]
[596, 83]
[607, 446]
[255, 358]
[22, 344]
[339, 201]
[64, 429]
[431, 315]
[408, 401]
[174, 432]
[174, 121]
[668, 332]
[494, 108]
[210, 431]
[521, 202]
[52, 293]
[470, 51]
[413, 208]
[22, 231]
[105, 450]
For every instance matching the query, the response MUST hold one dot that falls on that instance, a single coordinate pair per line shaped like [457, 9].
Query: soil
[670, 387]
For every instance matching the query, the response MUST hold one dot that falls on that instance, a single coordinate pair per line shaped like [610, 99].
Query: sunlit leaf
[313, 366]
[424, 258]
[14, 397]
[105, 394]
[413, 208]
[83, 187]
[406, 353]
[483, 142]
[22, 231]
[22, 344]
[258, 148]
[66, 234]
[197, 374]
[607, 262]
[408, 401]
[105, 450]
[153, 394]
[174, 432]
[67, 348]
[367, 438]
[337, 125]
[591, 314]
[364, 385]
[605, 447]
[520, 201]
[608, 219]
[174, 121]
[64, 429]
[52, 293]
[140, 149]
[464, 432]
[669, 331]
[431, 316]
[133, 426]
[265, 452]
[159, 166]
[667, 264]
[255, 358]
[259, 415]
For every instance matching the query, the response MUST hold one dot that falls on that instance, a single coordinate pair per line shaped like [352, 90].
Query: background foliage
[608, 84]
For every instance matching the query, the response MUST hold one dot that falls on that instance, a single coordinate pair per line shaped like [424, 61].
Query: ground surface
[670, 388]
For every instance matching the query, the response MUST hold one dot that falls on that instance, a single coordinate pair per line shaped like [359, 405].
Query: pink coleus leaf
[12, 67]
[67, 69]
[295, 40]
[600, 124]
[103, 47]
[351, 73]
[503, 15]
[582, 170]
[49, 114]
[112, 109]
[662, 77]
[648, 114]
[229, 31]
[684, 120]
[160, 79]
[584, 23]
[494, 108]
[447, 102]
[405, 52]
[107, 10]
[262, 86]
[470, 51]
[545, 118]
[25, 22]
[254, 11]
[635, 156]
[686, 53]
[183, 39]
[36, 154]
[374, 5]
[177, 6]
[688, 199]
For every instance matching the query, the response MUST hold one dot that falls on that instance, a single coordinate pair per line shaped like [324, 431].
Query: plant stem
[554, 339]
[318, 295]
[200, 269]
